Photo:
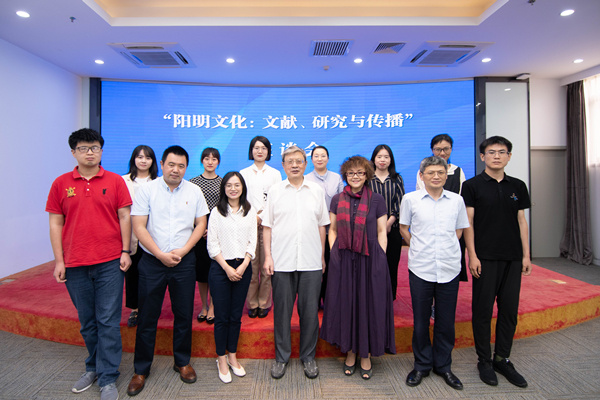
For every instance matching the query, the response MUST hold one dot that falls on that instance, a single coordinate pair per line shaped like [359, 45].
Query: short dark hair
[150, 153]
[440, 138]
[320, 147]
[85, 135]
[357, 162]
[210, 151]
[178, 151]
[223, 202]
[392, 167]
[264, 141]
[434, 160]
[495, 140]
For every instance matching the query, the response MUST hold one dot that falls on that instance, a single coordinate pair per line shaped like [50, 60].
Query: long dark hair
[223, 200]
[133, 171]
[264, 141]
[392, 167]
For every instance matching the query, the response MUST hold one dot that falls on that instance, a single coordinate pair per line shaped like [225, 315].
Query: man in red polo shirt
[90, 230]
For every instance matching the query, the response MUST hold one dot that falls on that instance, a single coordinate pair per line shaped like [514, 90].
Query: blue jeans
[97, 293]
[228, 298]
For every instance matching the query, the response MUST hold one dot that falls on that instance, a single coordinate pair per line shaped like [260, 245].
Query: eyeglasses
[360, 174]
[438, 150]
[431, 174]
[494, 152]
[294, 162]
[85, 149]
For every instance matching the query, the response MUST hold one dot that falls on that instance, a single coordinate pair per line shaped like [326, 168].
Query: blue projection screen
[348, 120]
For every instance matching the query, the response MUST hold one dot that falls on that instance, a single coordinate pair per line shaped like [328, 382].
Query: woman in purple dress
[358, 315]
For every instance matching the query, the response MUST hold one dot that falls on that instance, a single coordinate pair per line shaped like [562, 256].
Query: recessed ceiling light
[487, 59]
[99, 62]
[357, 60]
[579, 60]
[23, 14]
[507, 89]
[566, 13]
[230, 60]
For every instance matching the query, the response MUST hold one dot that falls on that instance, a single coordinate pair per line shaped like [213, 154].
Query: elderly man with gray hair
[436, 218]
[294, 222]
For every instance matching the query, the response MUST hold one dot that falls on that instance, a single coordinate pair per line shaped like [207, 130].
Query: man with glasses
[90, 232]
[436, 218]
[294, 222]
[498, 248]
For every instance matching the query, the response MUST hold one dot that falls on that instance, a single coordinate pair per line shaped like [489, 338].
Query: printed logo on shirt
[104, 191]
[514, 197]
[70, 191]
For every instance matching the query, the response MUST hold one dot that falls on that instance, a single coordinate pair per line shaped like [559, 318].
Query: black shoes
[253, 312]
[486, 373]
[133, 319]
[263, 312]
[415, 377]
[506, 368]
[450, 379]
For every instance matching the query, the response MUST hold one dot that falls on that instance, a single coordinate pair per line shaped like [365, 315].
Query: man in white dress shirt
[436, 218]
[294, 222]
[169, 217]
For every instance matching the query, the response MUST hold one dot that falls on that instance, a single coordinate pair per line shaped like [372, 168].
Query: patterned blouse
[210, 189]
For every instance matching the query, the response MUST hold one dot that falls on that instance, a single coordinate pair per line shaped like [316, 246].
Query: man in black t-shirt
[498, 248]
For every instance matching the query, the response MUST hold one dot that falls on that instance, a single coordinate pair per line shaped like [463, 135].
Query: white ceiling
[526, 38]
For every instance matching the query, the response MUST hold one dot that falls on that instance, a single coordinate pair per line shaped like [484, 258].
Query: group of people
[319, 240]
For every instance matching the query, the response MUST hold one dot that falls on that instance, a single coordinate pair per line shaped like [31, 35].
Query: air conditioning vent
[388, 48]
[330, 48]
[444, 54]
[154, 55]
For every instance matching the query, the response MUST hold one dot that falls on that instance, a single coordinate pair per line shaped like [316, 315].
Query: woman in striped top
[388, 183]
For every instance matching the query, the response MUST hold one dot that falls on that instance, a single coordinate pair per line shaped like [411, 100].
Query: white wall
[40, 105]
[548, 113]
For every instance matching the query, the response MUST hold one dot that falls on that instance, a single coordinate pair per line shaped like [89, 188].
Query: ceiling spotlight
[579, 60]
[23, 14]
[507, 89]
[230, 60]
[99, 62]
[357, 60]
[486, 60]
[566, 13]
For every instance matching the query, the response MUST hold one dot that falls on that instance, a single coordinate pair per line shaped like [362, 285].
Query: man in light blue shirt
[436, 218]
[169, 217]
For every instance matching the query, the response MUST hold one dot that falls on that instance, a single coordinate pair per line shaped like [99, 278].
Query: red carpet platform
[33, 304]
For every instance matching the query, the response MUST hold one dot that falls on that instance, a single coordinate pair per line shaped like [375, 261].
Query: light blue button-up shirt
[171, 215]
[434, 253]
[331, 183]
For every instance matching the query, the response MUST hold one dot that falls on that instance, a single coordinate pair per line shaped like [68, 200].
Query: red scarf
[357, 240]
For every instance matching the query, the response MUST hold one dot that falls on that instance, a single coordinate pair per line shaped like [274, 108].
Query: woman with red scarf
[358, 312]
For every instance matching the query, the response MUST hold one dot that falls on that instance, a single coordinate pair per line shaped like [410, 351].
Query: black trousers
[500, 282]
[228, 298]
[155, 277]
[439, 355]
[394, 247]
[131, 280]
